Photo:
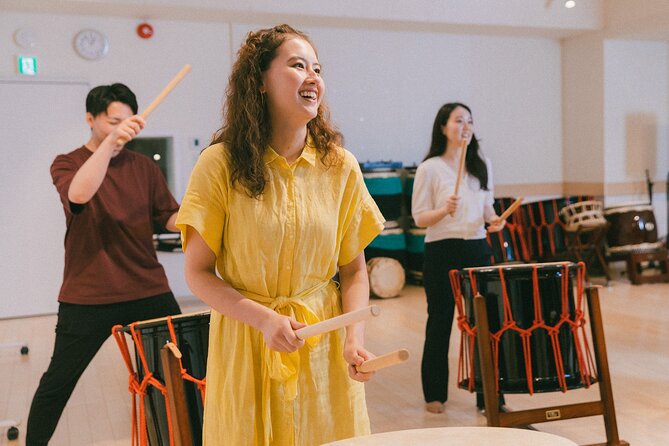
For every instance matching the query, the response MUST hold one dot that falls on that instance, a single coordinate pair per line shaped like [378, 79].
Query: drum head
[386, 277]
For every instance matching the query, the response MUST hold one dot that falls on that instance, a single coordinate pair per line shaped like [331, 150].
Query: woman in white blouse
[455, 237]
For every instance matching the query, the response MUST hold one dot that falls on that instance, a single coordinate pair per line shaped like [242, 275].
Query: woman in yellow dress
[274, 209]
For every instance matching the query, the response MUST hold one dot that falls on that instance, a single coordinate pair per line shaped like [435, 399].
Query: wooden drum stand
[604, 406]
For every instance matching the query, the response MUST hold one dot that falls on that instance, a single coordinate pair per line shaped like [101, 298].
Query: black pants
[80, 332]
[441, 257]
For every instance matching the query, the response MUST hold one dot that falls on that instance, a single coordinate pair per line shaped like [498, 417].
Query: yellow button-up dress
[281, 250]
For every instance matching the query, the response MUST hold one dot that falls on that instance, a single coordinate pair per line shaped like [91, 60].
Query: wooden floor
[636, 322]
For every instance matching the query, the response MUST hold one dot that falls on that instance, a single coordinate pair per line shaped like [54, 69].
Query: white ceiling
[642, 19]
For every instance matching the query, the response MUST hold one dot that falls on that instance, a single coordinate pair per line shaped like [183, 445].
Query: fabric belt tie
[281, 366]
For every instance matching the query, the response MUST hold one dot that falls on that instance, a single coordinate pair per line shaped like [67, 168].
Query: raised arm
[89, 177]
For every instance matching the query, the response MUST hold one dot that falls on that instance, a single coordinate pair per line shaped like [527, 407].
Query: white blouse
[435, 182]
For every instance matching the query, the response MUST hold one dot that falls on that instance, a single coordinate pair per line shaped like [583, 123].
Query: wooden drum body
[633, 228]
[535, 325]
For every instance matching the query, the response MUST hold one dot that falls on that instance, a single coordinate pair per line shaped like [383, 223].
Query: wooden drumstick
[338, 322]
[392, 358]
[506, 214]
[163, 94]
[461, 166]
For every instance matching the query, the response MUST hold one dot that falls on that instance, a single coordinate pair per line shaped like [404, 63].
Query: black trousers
[80, 332]
[441, 257]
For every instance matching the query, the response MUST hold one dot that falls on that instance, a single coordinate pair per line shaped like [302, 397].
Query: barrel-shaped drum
[535, 324]
[192, 340]
[385, 187]
[546, 236]
[583, 215]
[390, 243]
[633, 228]
[416, 254]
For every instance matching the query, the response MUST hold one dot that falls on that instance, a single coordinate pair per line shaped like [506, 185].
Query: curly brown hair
[246, 129]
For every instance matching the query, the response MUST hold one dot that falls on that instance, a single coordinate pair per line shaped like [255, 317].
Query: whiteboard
[38, 120]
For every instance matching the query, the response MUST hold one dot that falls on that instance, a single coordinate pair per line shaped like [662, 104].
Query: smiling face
[292, 84]
[459, 126]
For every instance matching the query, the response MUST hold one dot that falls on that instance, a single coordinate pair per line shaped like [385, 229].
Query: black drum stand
[604, 406]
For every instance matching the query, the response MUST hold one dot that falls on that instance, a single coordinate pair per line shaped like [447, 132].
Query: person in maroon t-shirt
[111, 198]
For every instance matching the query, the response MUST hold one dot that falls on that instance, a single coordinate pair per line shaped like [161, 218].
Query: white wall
[636, 111]
[191, 111]
[388, 68]
[538, 17]
[636, 115]
[33, 222]
[582, 115]
[384, 89]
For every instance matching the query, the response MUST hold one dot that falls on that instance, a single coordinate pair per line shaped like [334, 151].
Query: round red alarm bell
[144, 30]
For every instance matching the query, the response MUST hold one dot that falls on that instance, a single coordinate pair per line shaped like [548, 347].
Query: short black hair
[100, 97]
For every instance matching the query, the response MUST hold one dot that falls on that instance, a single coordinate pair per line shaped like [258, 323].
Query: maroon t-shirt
[109, 252]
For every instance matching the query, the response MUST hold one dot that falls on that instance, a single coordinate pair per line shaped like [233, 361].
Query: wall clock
[91, 44]
[24, 38]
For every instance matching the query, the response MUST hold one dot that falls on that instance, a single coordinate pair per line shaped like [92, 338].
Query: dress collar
[308, 154]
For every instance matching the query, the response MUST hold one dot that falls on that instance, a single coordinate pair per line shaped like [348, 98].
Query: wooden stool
[604, 406]
[634, 266]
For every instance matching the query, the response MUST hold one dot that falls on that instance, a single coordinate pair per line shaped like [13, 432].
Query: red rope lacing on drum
[584, 358]
[543, 224]
[136, 388]
[466, 331]
[200, 383]
[515, 228]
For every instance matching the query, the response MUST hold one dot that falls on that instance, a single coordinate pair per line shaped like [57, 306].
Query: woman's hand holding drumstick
[163, 94]
[498, 223]
[387, 360]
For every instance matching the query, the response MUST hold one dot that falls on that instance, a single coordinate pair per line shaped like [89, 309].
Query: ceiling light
[570, 4]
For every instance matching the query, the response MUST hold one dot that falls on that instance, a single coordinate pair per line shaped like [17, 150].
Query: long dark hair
[246, 126]
[473, 161]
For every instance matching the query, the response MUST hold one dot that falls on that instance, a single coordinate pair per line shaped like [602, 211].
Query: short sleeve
[163, 202]
[205, 204]
[360, 217]
[421, 197]
[63, 170]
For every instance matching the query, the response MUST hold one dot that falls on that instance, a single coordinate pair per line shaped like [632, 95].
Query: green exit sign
[27, 65]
